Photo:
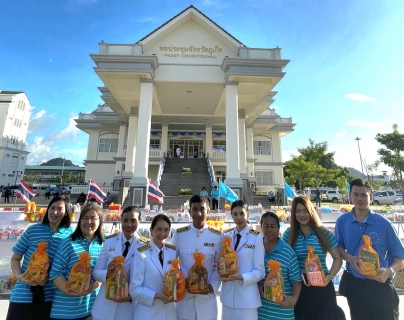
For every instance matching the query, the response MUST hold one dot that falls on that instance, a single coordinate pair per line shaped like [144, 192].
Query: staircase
[264, 201]
[172, 181]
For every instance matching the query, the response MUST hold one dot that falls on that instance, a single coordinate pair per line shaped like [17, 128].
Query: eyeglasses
[87, 219]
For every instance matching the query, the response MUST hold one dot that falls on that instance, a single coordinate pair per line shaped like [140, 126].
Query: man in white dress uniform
[125, 244]
[198, 237]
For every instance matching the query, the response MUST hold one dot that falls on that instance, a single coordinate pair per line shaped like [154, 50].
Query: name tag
[111, 249]
[250, 246]
[207, 244]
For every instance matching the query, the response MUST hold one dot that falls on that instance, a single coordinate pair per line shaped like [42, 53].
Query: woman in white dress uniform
[240, 295]
[115, 245]
[150, 264]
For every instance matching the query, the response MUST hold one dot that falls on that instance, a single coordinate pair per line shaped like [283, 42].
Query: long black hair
[78, 233]
[66, 221]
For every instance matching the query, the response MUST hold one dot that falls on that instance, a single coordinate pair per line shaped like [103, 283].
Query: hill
[58, 162]
[355, 173]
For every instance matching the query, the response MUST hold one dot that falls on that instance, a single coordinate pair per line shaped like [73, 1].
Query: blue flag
[289, 192]
[348, 187]
[226, 192]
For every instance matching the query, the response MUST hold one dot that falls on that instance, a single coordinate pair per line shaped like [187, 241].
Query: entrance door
[191, 149]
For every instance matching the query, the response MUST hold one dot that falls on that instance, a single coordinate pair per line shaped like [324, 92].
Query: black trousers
[215, 204]
[372, 300]
[29, 311]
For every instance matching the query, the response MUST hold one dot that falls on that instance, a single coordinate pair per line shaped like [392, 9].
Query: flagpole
[15, 201]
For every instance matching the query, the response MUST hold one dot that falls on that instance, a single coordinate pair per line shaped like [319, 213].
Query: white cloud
[40, 121]
[360, 97]
[70, 143]
[364, 124]
[340, 134]
[287, 154]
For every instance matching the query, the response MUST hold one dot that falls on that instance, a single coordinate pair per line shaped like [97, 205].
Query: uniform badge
[207, 244]
[250, 246]
[111, 249]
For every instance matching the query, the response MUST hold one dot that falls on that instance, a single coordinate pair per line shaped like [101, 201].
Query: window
[108, 145]
[154, 143]
[262, 147]
[264, 178]
[219, 145]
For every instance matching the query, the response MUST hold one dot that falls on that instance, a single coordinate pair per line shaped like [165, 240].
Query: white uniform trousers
[239, 314]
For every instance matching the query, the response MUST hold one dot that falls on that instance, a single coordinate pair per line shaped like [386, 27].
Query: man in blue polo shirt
[369, 297]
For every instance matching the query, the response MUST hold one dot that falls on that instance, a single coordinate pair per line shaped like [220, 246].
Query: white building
[187, 84]
[15, 113]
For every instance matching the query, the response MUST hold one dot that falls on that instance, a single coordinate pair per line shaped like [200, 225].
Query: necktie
[237, 241]
[127, 245]
[161, 257]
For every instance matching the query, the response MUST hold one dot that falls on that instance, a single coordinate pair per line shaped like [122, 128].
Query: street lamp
[16, 175]
[360, 157]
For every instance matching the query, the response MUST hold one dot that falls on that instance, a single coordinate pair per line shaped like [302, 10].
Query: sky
[345, 78]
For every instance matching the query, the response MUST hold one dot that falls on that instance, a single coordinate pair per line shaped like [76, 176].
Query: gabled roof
[190, 8]
[10, 92]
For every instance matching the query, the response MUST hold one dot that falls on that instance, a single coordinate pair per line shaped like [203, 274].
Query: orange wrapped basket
[80, 275]
[174, 282]
[227, 261]
[198, 275]
[117, 282]
[369, 259]
[274, 284]
[314, 269]
[38, 265]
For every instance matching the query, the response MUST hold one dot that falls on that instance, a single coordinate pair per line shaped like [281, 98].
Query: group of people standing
[6, 191]
[241, 294]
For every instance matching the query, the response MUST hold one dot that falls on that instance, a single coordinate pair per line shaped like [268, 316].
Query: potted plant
[186, 170]
[186, 192]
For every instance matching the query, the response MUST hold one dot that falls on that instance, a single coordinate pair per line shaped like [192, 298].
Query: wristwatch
[393, 273]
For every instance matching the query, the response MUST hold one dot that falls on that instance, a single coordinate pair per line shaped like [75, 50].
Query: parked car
[333, 195]
[384, 197]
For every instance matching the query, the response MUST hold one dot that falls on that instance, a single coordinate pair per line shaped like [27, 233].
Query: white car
[333, 195]
[384, 197]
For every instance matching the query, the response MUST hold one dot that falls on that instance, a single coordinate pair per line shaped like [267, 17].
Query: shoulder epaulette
[112, 235]
[228, 230]
[254, 232]
[170, 246]
[183, 229]
[143, 248]
[214, 230]
[144, 239]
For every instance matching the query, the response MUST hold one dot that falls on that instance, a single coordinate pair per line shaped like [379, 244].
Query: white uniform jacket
[208, 240]
[105, 309]
[147, 280]
[250, 257]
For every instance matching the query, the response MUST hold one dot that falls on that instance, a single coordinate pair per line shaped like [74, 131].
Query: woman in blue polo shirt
[306, 229]
[29, 301]
[279, 250]
[88, 237]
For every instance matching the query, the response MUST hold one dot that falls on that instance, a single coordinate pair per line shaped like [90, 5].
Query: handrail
[210, 170]
[161, 169]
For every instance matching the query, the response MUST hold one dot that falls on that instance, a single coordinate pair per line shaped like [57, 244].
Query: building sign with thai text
[191, 52]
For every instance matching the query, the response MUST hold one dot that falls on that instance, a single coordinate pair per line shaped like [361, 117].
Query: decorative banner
[218, 134]
[156, 133]
[186, 134]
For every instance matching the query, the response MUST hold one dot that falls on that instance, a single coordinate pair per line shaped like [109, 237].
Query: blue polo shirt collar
[370, 218]
[278, 248]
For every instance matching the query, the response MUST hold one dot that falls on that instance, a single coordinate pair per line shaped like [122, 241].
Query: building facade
[47, 174]
[192, 86]
[15, 114]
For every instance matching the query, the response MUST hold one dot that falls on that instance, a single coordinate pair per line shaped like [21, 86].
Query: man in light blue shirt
[215, 198]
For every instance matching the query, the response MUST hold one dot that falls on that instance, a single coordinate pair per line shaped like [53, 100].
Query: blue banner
[289, 192]
[226, 192]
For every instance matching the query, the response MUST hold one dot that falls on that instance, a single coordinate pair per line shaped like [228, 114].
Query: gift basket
[369, 259]
[198, 275]
[314, 270]
[117, 282]
[80, 275]
[38, 265]
[274, 284]
[227, 261]
[174, 282]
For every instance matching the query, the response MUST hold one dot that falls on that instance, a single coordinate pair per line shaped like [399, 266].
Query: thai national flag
[155, 193]
[24, 192]
[96, 192]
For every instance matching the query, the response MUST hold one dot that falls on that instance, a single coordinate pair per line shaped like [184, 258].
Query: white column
[164, 138]
[131, 146]
[250, 150]
[208, 141]
[242, 146]
[140, 176]
[119, 153]
[276, 148]
[232, 148]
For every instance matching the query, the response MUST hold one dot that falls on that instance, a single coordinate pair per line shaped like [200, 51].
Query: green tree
[317, 154]
[391, 155]
[299, 169]
[32, 176]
